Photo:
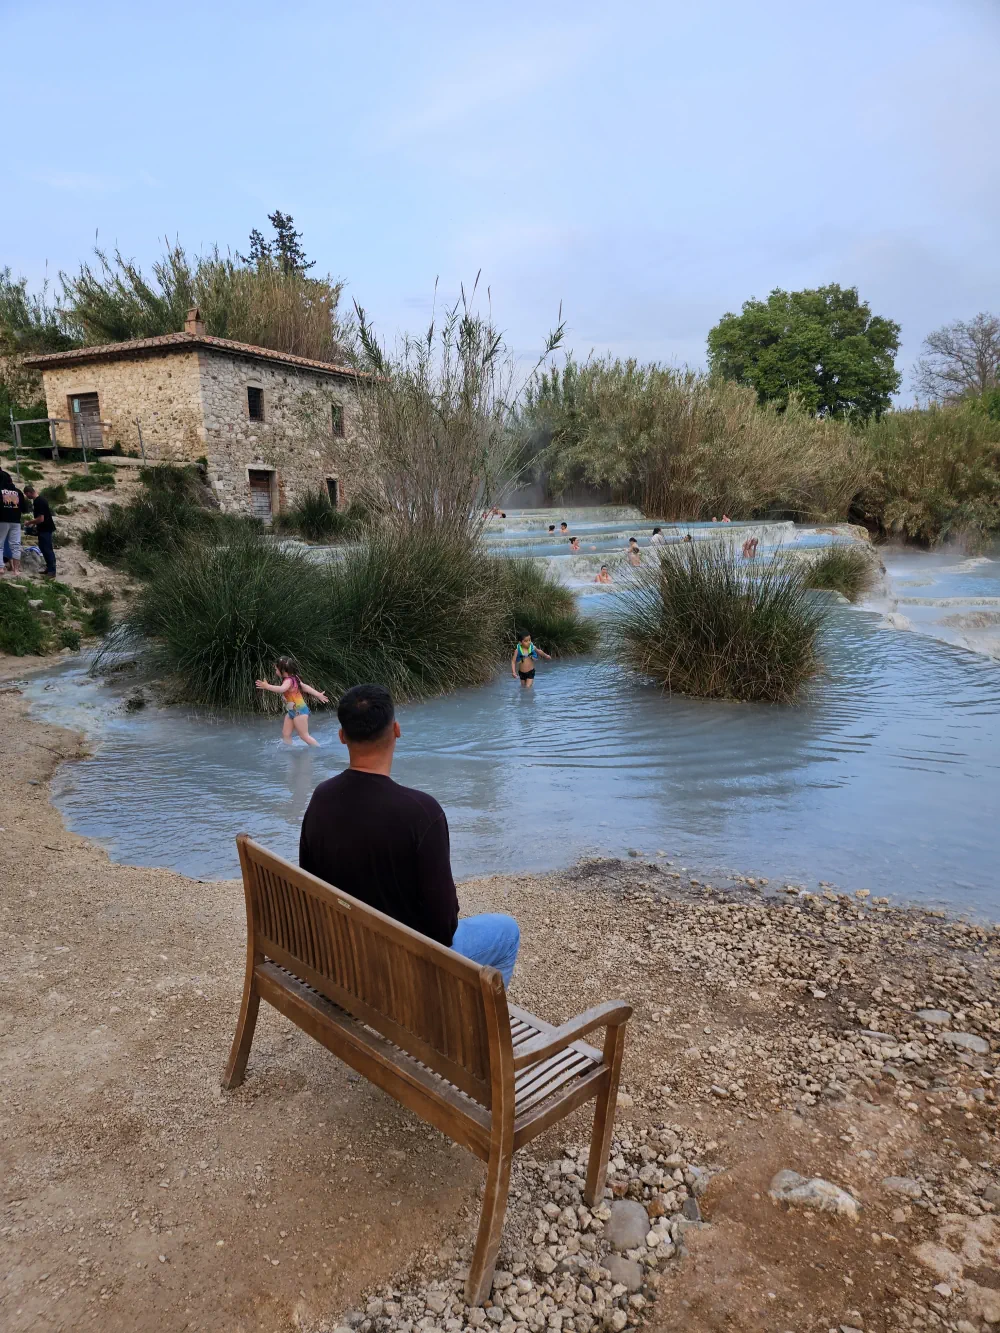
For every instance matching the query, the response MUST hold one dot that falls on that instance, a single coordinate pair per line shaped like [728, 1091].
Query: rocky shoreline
[843, 1039]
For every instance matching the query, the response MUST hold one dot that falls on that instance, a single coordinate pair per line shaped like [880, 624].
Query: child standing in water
[296, 709]
[522, 663]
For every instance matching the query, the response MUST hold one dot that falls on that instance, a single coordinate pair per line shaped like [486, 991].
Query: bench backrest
[444, 1010]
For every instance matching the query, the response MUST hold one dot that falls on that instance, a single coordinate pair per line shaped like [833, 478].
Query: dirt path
[137, 1196]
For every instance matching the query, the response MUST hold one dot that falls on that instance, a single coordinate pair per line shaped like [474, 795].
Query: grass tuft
[144, 534]
[22, 632]
[704, 622]
[849, 570]
[538, 603]
[314, 518]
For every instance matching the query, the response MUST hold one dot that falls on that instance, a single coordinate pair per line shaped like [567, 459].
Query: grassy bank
[704, 622]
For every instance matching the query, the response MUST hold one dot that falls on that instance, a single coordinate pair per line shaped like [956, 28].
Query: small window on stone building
[338, 419]
[333, 491]
[255, 404]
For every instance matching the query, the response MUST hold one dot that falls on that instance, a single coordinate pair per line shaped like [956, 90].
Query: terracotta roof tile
[167, 342]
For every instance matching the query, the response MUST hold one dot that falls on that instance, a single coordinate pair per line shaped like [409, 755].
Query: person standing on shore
[44, 525]
[11, 500]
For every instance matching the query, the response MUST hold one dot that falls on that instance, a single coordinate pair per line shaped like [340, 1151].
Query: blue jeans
[491, 938]
[48, 550]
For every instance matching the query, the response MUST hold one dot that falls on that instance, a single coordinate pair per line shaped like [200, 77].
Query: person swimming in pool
[293, 689]
[574, 543]
[603, 576]
[522, 663]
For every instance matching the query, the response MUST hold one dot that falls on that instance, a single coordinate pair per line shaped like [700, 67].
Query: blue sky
[649, 165]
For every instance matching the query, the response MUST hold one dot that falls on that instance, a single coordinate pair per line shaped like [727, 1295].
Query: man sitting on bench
[388, 845]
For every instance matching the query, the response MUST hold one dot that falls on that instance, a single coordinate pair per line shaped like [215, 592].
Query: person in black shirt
[10, 519]
[388, 845]
[45, 526]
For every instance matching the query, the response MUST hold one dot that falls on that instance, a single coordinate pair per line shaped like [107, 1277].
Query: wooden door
[260, 494]
[86, 418]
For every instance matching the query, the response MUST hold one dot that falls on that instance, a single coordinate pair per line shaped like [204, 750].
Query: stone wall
[295, 440]
[163, 391]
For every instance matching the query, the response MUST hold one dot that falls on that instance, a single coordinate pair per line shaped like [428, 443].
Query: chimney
[194, 322]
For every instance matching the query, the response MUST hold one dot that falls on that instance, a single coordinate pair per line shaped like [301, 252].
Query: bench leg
[243, 1039]
[604, 1118]
[484, 1258]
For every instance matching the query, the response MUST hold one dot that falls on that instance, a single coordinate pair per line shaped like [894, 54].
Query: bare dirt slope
[137, 1196]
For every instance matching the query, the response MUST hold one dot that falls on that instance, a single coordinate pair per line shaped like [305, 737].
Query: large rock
[903, 1185]
[626, 1228]
[936, 1017]
[943, 1263]
[967, 1041]
[823, 1196]
[626, 1271]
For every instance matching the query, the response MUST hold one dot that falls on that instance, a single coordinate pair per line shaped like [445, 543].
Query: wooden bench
[431, 1028]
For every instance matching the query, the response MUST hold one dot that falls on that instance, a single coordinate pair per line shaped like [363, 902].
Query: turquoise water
[886, 778]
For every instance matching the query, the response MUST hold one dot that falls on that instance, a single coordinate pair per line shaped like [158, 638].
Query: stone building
[267, 424]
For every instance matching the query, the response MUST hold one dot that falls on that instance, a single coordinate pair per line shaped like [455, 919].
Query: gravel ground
[842, 1039]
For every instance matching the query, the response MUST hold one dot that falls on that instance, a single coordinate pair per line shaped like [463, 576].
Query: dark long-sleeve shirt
[386, 845]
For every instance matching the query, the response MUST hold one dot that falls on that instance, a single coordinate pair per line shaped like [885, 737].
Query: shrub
[70, 638]
[420, 615]
[536, 601]
[215, 617]
[29, 473]
[141, 535]
[849, 570]
[97, 620]
[417, 612]
[682, 445]
[314, 517]
[703, 622]
[22, 632]
[933, 473]
[92, 481]
[56, 495]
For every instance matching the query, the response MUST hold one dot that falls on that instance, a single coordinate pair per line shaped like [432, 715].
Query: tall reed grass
[701, 621]
[933, 473]
[683, 445]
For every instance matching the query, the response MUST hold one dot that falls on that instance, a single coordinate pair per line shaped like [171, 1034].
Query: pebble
[822, 1195]
[936, 1017]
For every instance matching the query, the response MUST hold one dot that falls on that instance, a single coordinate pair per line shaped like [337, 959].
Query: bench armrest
[611, 1014]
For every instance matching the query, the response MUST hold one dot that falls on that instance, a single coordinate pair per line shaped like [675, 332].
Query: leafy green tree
[823, 345]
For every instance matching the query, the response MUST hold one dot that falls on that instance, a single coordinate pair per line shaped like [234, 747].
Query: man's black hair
[564, 524]
[365, 712]
[552, 527]
[633, 542]
[655, 531]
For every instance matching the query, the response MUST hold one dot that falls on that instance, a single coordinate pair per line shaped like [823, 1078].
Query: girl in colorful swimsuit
[522, 663]
[294, 690]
